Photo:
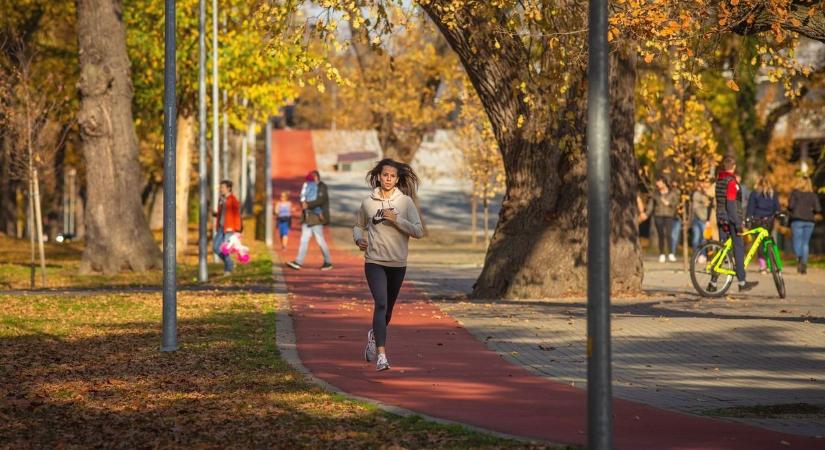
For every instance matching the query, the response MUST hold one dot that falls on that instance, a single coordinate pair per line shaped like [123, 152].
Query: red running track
[440, 369]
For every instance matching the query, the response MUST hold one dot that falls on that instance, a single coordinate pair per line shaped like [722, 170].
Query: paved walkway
[673, 350]
[441, 369]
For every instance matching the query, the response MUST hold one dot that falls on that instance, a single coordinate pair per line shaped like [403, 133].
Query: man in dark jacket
[313, 225]
[730, 217]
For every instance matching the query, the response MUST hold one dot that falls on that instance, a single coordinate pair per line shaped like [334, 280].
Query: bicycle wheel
[701, 272]
[778, 280]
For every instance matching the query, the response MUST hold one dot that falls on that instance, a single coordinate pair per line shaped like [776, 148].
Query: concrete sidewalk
[672, 349]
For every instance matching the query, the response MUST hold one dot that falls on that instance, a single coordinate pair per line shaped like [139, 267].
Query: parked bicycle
[714, 261]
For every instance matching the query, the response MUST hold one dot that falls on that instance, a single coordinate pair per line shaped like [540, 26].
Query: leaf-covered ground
[80, 370]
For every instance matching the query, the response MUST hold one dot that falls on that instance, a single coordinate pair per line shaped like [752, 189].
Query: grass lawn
[85, 370]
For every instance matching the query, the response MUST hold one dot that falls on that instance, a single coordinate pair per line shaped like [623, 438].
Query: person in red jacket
[227, 222]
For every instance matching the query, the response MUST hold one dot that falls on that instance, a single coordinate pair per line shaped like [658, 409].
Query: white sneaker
[671, 257]
[382, 363]
[370, 350]
[702, 259]
[662, 258]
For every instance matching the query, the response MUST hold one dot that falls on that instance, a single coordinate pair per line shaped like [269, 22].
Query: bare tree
[28, 106]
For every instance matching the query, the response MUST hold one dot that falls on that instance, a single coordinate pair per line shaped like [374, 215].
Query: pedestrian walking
[314, 216]
[383, 226]
[227, 222]
[663, 204]
[762, 207]
[283, 210]
[701, 205]
[730, 217]
[803, 206]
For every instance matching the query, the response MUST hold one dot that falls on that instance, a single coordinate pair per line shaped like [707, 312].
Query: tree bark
[117, 233]
[539, 246]
[185, 143]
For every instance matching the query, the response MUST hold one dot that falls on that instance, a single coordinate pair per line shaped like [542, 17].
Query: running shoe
[370, 350]
[294, 265]
[382, 363]
[662, 258]
[671, 257]
[326, 266]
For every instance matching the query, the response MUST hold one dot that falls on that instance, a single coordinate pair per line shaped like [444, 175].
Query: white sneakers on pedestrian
[370, 350]
[662, 258]
[382, 363]
[671, 257]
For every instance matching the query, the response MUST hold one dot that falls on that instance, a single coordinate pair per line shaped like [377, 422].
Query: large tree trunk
[185, 142]
[118, 235]
[539, 247]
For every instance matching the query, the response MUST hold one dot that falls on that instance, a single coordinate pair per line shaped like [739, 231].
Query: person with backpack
[314, 217]
[384, 223]
[730, 218]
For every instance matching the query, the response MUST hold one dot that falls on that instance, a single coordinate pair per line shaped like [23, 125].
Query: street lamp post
[599, 407]
[203, 215]
[268, 182]
[169, 339]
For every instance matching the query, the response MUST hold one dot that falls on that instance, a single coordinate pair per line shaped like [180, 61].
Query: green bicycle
[714, 261]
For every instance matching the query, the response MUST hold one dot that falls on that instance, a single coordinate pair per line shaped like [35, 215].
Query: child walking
[383, 226]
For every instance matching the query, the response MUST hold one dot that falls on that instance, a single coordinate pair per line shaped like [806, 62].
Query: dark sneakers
[326, 266]
[294, 265]
[748, 285]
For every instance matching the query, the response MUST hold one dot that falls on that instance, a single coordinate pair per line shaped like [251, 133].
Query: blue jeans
[801, 231]
[308, 231]
[228, 264]
[675, 234]
[697, 229]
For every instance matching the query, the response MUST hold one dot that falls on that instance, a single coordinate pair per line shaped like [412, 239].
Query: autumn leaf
[732, 84]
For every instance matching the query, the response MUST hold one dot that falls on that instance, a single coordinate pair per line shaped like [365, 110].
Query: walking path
[442, 370]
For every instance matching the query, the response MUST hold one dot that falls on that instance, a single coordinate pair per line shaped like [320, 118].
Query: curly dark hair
[407, 179]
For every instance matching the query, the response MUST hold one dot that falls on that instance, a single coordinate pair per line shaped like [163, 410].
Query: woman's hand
[390, 215]
[362, 244]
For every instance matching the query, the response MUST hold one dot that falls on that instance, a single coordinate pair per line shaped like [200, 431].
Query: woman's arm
[411, 223]
[360, 224]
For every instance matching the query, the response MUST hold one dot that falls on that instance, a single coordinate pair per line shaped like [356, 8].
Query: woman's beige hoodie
[387, 241]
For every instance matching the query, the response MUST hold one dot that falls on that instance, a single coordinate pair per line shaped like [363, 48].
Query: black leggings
[664, 225]
[385, 283]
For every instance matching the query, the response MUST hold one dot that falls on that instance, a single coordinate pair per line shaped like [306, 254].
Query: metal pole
[203, 210]
[242, 190]
[225, 158]
[169, 132]
[268, 182]
[215, 109]
[599, 396]
[253, 167]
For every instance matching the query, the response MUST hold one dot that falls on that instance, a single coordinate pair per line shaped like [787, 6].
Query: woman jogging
[383, 226]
